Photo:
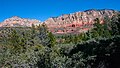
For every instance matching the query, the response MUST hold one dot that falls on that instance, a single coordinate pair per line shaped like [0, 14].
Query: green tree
[43, 35]
[33, 29]
[52, 39]
[15, 38]
[115, 24]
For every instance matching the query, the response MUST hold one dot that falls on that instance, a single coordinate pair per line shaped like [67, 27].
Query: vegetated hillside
[95, 53]
[99, 53]
[37, 47]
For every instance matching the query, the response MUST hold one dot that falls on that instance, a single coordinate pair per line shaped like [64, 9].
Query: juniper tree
[43, 35]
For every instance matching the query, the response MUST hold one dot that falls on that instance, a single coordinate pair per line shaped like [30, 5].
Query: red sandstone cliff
[77, 22]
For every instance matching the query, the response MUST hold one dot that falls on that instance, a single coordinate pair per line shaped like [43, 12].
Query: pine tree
[52, 39]
[98, 27]
[43, 35]
[115, 25]
[14, 38]
[33, 28]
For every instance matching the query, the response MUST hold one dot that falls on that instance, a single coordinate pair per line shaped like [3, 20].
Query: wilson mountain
[68, 23]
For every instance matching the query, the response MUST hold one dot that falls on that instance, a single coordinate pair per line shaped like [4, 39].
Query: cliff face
[77, 22]
[67, 23]
[19, 22]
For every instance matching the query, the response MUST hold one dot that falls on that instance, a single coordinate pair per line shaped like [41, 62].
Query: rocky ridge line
[67, 23]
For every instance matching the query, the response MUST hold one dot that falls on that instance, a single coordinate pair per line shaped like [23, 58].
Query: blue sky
[43, 9]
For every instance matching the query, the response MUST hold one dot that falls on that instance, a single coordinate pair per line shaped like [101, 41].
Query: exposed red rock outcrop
[19, 22]
[77, 22]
